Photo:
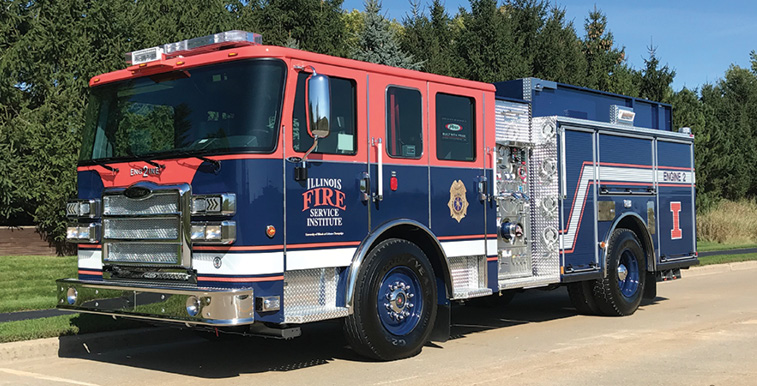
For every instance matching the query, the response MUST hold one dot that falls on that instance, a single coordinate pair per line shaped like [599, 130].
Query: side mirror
[319, 105]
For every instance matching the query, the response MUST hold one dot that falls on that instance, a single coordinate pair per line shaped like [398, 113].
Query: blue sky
[697, 38]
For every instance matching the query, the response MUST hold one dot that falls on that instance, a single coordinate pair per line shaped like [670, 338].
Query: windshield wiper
[106, 166]
[153, 163]
[216, 163]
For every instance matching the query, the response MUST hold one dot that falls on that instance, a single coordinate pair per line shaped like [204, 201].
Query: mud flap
[650, 286]
[441, 330]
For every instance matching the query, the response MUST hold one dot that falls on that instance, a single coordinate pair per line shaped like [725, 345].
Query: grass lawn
[707, 246]
[722, 259]
[65, 324]
[28, 282]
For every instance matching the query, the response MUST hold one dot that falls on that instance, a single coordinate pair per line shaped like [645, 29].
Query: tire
[496, 300]
[394, 302]
[619, 293]
[582, 297]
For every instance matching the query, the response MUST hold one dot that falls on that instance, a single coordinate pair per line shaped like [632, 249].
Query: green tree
[655, 80]
[487, 48]
[602, 58]
[558, 52]
[316, 25]
[377, 43]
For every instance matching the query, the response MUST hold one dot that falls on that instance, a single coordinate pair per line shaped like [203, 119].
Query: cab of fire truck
[180, 181]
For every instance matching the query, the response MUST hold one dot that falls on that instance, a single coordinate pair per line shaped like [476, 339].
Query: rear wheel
[394, 303]
[620, 291]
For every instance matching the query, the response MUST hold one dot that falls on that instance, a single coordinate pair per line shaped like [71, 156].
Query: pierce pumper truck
[234, 187]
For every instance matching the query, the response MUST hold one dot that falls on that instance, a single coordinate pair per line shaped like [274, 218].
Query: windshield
[222, 108]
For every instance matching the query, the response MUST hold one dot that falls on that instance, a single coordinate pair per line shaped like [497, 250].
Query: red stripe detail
[491, 259]
[575, 194]
[240, 279]
[685, 185]
[84, 272]
[90, 246]
[675, 168]
[624, 165]
[463, 237]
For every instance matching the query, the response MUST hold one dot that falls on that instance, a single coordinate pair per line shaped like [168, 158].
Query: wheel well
[637, 226]
[427, 243]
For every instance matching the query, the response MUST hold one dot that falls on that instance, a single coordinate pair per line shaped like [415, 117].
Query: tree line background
[49, 49]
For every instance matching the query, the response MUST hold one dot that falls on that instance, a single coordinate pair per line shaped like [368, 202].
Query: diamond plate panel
[310, 295]
[544, 194]
[511, 121]
[149, 228]
[142, 253]
[158, 203]
[468, 276]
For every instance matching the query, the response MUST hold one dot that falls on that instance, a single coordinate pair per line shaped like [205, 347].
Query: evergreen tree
[430, 41]
[558, 51]
[317, 25]
[486, 48]
[655, 80]
[601, 56]
[377, 43]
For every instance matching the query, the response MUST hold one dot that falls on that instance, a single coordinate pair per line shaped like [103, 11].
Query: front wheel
[620, 291]
[394, 303]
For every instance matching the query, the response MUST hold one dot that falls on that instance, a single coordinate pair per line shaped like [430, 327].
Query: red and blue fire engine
[235, 187]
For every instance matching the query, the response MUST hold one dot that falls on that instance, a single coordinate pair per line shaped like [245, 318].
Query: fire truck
[234, 187]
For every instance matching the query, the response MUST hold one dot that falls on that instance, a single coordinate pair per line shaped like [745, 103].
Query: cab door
[399, 151]
[457, 159]
[326, 219]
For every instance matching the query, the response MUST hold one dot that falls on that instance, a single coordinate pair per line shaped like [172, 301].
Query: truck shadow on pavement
[321, 343]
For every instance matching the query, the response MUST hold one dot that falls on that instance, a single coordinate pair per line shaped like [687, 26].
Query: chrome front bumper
[192, 306]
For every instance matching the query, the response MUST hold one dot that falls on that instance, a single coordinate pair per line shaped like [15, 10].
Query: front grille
[149, 228]
[157, 203]
[143, 253]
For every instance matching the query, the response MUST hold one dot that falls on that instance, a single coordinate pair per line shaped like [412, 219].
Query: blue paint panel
[257, 184]
[409, 201]
[89, 185]
[442, 222]
[578, 102]
[492, 268]
[624, 150]
[675, 200]
[330, 209]
[579, 255]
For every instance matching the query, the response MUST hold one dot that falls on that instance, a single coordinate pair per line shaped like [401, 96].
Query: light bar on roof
[195, 46]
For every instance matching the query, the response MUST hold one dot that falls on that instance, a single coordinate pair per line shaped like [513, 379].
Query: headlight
[83, 233]
[224, 232]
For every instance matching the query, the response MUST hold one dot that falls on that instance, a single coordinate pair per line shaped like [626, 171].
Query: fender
[641, 230]
[367, 244]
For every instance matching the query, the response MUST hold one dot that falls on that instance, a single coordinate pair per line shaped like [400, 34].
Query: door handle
[365, 187]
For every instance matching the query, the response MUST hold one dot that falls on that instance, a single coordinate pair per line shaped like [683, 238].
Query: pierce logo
[145, 172]
[453, 127]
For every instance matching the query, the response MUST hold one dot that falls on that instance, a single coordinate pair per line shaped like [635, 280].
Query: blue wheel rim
[629, 284]
[400, 301]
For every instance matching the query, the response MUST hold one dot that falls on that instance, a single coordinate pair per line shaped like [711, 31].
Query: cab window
[343, 136]
[404, 123]
[455, 128]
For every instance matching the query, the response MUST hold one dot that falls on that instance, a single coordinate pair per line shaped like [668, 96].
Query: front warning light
[270, 231]
[234, 38]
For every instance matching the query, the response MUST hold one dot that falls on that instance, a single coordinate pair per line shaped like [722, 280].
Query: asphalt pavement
[700, 330]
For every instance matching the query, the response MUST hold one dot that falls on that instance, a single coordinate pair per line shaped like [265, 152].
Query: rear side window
[343, 136]
[455, 128]
[404, 123]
